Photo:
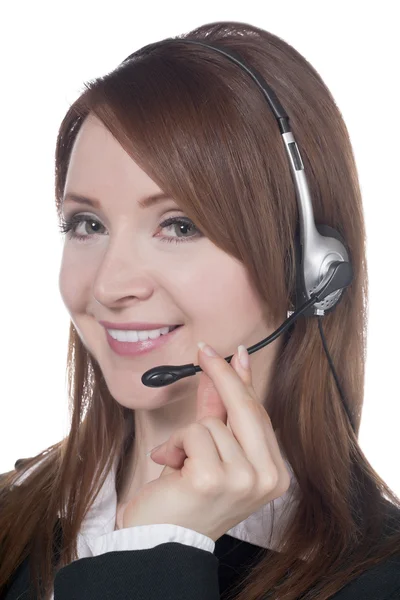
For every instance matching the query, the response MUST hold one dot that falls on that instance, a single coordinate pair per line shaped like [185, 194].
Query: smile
[133, 343]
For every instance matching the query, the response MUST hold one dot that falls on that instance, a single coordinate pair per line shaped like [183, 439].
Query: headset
[323, 268]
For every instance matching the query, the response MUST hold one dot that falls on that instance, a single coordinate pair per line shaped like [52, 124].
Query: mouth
[141, 346]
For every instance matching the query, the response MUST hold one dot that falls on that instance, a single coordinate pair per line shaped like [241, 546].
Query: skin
[123, 271]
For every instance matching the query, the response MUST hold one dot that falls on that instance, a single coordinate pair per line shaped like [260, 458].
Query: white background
[47, 51]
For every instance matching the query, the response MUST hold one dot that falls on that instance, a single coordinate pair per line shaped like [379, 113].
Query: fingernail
[206, 349]
[152, 450]
[244, 357]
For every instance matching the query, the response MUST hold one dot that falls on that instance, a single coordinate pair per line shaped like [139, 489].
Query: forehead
[98, 164]
[94, 143]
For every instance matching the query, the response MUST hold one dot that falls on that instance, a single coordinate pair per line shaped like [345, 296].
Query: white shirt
[98, 534]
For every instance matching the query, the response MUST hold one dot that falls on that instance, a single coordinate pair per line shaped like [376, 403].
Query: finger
[228, 451]
[269, 457]
[209, 402]
[176, 456]
[192, 442]
[209, 405]
[248, 420]
[246, 376]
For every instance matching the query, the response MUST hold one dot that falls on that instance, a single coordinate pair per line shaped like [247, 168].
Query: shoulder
[380, 582]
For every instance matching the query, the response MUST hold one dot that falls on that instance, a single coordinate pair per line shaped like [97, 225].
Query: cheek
[222, 294]
[73, 281]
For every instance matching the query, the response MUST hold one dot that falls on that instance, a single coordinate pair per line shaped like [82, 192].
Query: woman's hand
[219, 469]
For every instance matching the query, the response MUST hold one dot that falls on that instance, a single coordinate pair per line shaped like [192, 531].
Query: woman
[178, 145]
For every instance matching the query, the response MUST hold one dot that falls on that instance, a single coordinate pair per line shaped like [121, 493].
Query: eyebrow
[143, 203]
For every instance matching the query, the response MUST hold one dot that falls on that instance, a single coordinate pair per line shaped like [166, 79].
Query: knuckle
[264, 415]
[269, 481]
[260, 413]
[208, 482]
[195, 427]
[284, 481]
[209, 421]
[254, 410]
[244, 480]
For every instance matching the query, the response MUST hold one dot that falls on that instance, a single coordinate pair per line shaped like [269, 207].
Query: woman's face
[142, 271]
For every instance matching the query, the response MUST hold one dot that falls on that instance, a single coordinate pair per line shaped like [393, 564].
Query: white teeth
[136, 336]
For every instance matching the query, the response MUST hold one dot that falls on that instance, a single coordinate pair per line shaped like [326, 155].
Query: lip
[140, 347]
[136, 326]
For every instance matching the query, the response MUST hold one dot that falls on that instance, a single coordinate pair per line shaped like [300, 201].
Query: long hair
[201, 129]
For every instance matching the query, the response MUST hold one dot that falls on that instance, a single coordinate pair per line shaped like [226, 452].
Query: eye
[183, 223]
[70, 225]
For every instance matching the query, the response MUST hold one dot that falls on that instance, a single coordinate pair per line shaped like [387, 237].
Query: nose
[123, 275]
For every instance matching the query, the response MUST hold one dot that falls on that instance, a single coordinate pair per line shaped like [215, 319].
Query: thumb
[209, 403]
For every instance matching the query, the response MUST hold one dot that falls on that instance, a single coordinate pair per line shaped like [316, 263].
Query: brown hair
[226, 166]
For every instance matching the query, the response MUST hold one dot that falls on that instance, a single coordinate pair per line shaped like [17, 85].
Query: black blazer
[179, 572]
